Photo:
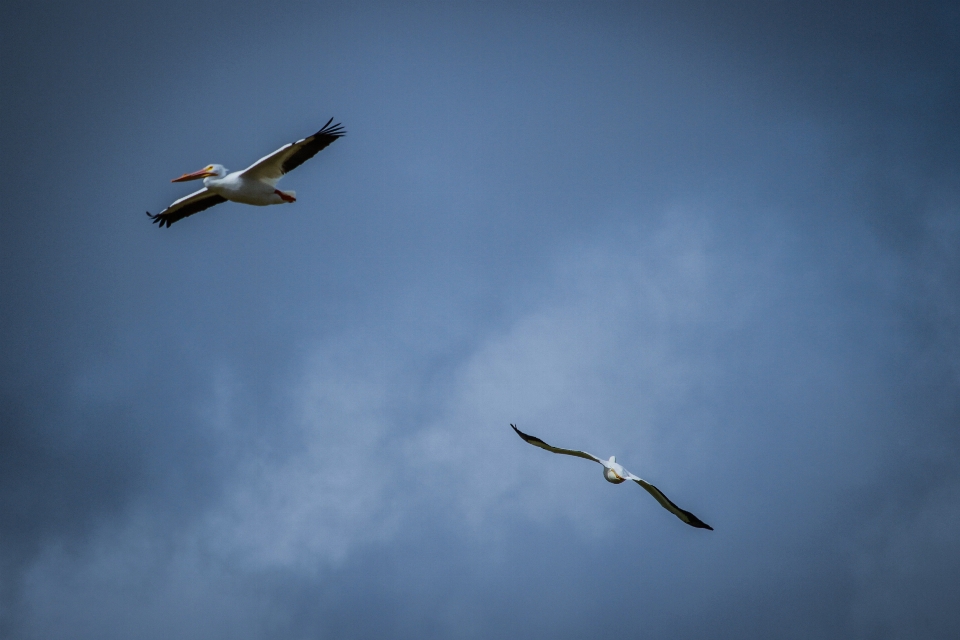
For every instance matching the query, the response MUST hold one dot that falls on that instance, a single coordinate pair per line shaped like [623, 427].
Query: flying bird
[257, 184]
[616, 474]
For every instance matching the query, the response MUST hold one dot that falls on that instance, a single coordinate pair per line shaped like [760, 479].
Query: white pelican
[254, 185]
[616, 474]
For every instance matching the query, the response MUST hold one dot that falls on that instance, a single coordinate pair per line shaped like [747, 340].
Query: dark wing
[309, 147]
[665, 502]
[290, 156]
[537, 442]
[187, 206]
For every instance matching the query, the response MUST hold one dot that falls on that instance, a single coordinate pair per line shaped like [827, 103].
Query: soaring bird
[616, 474]
[257, 184]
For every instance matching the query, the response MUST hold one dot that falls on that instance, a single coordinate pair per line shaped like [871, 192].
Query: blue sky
[717, 241]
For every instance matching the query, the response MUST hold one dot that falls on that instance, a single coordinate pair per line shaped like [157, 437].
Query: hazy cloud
[717, 241]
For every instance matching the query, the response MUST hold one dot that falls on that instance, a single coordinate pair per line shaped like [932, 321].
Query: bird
[613, 472]
[254, 185]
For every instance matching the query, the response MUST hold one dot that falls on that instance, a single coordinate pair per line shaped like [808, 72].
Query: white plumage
[254, 185]
[615, 473]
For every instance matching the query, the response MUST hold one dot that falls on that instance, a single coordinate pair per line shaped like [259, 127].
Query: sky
[717, 240]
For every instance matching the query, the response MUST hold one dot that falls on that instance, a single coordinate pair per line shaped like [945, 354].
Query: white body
[614, 473]
[237, 187]
[256, 185]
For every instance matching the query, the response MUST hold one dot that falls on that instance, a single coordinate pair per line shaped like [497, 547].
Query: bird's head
[612, 476]
[209, 171]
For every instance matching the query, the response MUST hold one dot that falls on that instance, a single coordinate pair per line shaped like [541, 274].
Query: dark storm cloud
[718, 241]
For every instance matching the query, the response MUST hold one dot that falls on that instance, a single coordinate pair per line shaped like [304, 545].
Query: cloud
[716, 241]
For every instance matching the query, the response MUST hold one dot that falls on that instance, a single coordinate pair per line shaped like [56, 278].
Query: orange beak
[196, 175]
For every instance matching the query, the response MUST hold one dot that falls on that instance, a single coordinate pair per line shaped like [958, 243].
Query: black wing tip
[534, 440]
[335, 131]
[687, 518]
[694, 521]
[159, 219]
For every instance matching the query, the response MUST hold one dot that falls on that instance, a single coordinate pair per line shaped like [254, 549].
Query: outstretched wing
[537, 442]
[290, 156]
[665, 502]
[187, 206]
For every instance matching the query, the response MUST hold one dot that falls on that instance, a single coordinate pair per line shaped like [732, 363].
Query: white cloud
[593, 366]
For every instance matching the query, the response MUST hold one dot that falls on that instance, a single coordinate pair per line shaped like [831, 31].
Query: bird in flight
[257, 184]
[616, 474]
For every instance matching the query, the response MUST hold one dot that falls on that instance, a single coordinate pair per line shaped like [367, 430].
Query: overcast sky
[721, 242]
